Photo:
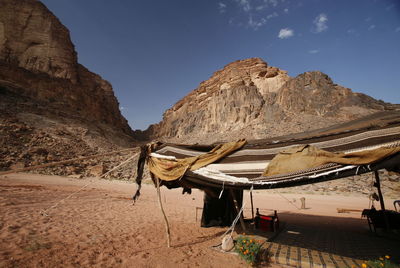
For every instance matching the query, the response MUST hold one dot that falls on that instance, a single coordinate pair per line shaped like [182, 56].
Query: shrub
[248, 248]
[383, 262]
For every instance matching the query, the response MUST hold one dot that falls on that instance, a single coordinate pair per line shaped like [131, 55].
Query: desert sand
[100, 226]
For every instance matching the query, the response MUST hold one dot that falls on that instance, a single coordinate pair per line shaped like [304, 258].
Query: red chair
[266, 223]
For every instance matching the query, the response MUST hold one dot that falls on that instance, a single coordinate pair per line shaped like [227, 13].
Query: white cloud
[320, 23]
[274, 3]
[286, 10]
[260, 7]
[351, 31]
[313, 51]
[371, 27]
[285, 33]
[397, 29]
[253, 13]
[267, 3]
[272, 15]
[245, 5]
[256, 24]
[222, 7]
[388, 8]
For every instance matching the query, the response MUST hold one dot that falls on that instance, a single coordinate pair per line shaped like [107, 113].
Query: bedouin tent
[364, 145]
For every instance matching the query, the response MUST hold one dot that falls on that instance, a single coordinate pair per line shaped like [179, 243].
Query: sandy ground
[100, 227]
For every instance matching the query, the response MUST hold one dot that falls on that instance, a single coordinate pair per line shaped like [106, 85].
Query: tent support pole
[377, 184]
[235, 202]
[163, 212]
[252, 208]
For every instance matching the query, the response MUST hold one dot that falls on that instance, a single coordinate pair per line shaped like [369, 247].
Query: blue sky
[154, 52]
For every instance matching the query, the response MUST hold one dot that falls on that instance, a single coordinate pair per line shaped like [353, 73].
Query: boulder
[17, 166]
[97, 170]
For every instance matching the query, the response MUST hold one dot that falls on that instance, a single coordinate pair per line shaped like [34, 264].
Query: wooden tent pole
[238, 210]
[252, 208]
[163, 212]
[378, 186]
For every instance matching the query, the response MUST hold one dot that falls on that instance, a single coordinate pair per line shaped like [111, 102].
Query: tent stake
[163, 212]
[238, 210]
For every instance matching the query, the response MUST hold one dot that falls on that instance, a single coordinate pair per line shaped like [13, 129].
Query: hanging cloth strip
[169, 169]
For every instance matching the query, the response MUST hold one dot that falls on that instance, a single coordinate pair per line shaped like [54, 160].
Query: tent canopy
[367, 144]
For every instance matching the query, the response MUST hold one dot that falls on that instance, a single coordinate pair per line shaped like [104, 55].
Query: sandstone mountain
[39, 60]
[51, 107]
[249, 99]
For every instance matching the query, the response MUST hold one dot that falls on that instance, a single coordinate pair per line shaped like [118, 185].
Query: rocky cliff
[51, 107]
[250, 99]
[38, 60]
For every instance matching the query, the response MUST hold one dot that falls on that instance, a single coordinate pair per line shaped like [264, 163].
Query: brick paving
[322, 241]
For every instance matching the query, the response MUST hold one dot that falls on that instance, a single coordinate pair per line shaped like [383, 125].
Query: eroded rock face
[38, 60]
[314, 93]
[51, 107]
[34, 39]
[249, 99]
[231, 98]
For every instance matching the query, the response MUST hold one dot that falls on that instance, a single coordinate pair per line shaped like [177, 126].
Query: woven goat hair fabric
[356, 147]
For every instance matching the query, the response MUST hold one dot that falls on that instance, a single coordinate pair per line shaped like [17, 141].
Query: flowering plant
[382, 262]
[248, 249]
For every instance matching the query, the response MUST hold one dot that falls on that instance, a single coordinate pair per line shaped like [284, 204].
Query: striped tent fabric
[243, 169]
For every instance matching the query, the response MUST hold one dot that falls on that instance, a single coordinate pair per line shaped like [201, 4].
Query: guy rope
[44, 211]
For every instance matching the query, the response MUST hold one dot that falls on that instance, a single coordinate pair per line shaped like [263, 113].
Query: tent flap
[307, 156]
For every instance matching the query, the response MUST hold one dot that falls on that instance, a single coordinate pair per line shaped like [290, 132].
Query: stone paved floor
[303, 257]
[321, 241]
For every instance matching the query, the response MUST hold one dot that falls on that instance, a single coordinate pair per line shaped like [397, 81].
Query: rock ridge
[250, 99]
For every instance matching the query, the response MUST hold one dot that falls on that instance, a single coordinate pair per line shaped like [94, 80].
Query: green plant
[248, 248]
[35, 245]
[382, 262]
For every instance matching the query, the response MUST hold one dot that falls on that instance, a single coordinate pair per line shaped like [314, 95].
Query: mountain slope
[51, 107]
[250, 99]
[38, 59]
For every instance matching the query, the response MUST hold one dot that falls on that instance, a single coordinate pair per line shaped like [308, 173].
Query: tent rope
[44, 212]
[232, 227]
[290, 202]
[222, 190]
